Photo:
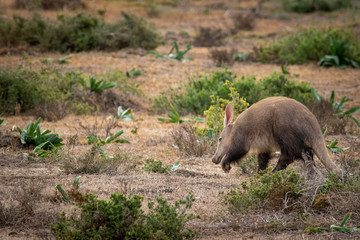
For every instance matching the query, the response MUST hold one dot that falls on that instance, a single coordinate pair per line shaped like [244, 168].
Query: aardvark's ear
[229, 115]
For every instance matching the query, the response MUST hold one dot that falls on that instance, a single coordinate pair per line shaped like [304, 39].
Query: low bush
[265, 189]
[48, 4]
[57, 93]
[122, 218]
[152, 165]
[195, 96]
[81, 32]
[309, 45]
[294, 202]
[215, 113]
[248, 165]
[306, 6]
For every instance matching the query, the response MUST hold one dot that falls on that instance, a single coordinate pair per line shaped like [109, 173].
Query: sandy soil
[153, 139]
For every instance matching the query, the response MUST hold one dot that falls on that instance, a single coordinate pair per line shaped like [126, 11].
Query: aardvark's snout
[216, 159]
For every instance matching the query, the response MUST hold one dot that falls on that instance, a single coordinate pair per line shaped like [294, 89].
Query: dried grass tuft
[19, 207]
[209, 37]
[222, 57]
[243, 22]
[189, 143]
[324, 113]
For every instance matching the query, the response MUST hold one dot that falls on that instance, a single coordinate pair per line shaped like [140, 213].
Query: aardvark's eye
[220, 139]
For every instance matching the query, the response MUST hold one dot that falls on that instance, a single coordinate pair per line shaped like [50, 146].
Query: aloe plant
[334, 148]
[174, 117]
[178, 55]
[133, 72]
[42, 140]
[341, 228]
[338, 48]
[124, 115]
[63, 193]
[76, 186]
[99, 86]
[338, 107]
[99, 142]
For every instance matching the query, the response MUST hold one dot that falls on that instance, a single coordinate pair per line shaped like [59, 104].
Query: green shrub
[215, 113]
[334, 183]
[266, 189]
[22, 90]
[18, 87]
[249, 165]
[277, 84]
[81, 32]
[123, 218]
[308, 45]
[195, 96]
[155, 166]
[306, 6]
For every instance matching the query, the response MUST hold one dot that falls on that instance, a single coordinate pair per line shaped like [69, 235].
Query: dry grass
[53, 111]
[327, 118]
[190, 144]
[242, 21]
[222, 57]
[209, 37]
[91, 162]
[19, 207]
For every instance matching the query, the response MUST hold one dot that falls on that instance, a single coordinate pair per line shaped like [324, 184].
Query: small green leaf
[134, 131]
[122, 141]
[63, 193]
[65, 59]
[352, 110]
[347, 216]
[317, 96]
[76, 182]
[356, 121]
